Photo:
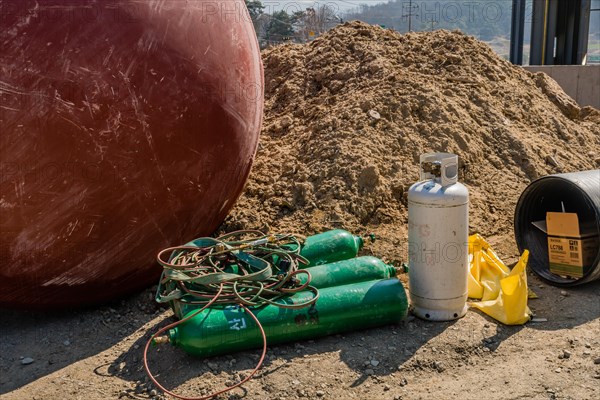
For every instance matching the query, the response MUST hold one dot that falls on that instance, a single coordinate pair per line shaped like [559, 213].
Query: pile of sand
[347, 116]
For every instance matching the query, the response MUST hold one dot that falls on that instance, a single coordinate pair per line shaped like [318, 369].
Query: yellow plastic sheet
[503, 293]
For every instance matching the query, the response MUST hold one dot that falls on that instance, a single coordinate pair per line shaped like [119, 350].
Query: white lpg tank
[438, 228]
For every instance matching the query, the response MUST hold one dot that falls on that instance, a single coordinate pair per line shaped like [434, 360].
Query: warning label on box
[565, 256]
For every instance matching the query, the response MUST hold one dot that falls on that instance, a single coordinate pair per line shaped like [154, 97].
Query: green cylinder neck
[173, 336]
[392, 270]
[360, 242]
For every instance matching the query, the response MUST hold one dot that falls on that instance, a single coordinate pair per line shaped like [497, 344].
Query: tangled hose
[233, 269]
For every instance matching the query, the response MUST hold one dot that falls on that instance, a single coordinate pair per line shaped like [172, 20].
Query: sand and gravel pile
[347, 116]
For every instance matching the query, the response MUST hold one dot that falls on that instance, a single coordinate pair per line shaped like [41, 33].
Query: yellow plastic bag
[503, 292]
[486, 270]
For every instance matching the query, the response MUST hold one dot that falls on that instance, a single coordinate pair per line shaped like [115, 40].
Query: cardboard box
[571, 248]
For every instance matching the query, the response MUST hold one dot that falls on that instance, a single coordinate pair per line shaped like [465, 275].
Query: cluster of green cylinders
[354, 293]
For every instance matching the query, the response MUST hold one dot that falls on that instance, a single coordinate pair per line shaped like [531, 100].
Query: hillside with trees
[485, 20]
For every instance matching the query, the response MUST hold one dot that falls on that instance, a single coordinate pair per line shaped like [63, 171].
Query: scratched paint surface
[126, 127]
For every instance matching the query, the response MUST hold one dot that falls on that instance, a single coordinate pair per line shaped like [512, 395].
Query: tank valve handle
[404, 267]
[371, 237]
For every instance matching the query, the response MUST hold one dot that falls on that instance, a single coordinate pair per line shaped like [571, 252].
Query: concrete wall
[581, 82]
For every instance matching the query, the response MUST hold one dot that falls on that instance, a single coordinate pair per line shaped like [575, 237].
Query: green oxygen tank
[359, 269]
[341, 308]
[331, 246]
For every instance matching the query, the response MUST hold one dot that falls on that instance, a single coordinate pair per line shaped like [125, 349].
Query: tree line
[281, 26]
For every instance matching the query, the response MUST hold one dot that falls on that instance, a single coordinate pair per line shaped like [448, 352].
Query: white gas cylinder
[438, 228]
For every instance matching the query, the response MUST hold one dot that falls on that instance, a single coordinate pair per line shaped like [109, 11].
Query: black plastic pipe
[577, 192]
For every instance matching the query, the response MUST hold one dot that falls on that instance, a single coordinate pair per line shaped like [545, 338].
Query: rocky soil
[97, 354]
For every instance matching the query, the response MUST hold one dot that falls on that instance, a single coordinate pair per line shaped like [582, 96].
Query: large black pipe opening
[577, 192]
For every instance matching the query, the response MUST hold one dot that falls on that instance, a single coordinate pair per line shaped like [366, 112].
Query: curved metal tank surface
[126, 127]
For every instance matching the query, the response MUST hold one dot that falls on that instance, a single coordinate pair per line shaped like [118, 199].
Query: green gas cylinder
[331, 246]
[359, 269]
[222, 330]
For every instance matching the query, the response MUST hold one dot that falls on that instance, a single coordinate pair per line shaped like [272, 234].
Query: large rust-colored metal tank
[126, 126]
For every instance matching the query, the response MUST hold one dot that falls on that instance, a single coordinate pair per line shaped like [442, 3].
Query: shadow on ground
[55, 340]
[175, 368]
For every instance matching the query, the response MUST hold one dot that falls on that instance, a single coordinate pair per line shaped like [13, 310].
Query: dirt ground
[97, 354]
